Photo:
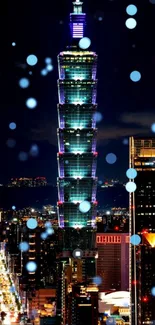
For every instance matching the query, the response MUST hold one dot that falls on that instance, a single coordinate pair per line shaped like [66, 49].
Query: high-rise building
[113, 261]
[142, 222]
[77, 157]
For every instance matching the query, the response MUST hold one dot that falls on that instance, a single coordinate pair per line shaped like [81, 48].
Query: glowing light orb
[13, 207]
[11, 143]
[130, 187]
[12, 289]
[31, 223]
[97, 280]
[31, 59]
[131, 173]
[125, 141]
[48, 60]
[131, 23]
[12, 126]
[111, 158]
[100, 18]
[84, 43]
[24, 246]
[31, 266]
[135, 240]
[131, 10]
[13, 44]
[98, 117]
[66, 162]
[24, 83]
[49, 67]
[50, 231]
[48, 224]
[23, 156]
[153, 291]
[153, 127]
[44, 72]
[111, 321]
[135, 76]
[84, 206]
[34, 150]
[77, 253]
[31, 103]
[44, 235]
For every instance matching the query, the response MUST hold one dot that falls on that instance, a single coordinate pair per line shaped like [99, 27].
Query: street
[7, 297]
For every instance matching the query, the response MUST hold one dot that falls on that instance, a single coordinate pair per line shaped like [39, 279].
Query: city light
[130, 187]
[135, 76]
[131, 23]
[50, 231]
[49, 67]
[23, 156]
[24, 246]
[48, 60]
[84, 43]
[34, 150]
[31, 266]
[153, 127]
[31, 103]
[31, 223]
[24, 83]
[32, 60]
[43, 235]
[84, 206]
[131, 173]
[135, 239]
[44, 72]
[111, 158]
[98, 117]
[11, 143]
[12, 126]
[131, 10]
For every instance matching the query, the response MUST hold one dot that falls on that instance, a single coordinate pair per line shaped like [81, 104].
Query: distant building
[28, 182]
[42, 252]
[142, 222]
[83, 305]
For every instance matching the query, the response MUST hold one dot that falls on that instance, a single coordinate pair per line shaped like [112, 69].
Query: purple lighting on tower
[77, 20]
[77, 30]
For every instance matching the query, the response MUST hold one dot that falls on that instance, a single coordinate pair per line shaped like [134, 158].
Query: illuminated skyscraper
[142, 222]
[77, 157]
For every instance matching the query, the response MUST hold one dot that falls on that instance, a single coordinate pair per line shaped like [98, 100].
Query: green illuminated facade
[77, 133]
[77, 159]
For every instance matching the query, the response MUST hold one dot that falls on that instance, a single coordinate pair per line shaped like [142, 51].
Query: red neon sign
[101, 239]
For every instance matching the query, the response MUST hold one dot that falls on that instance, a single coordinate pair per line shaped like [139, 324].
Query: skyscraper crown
[77, 20]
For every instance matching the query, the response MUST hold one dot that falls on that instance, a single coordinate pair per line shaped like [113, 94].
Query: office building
[142, 222]
[77, 158]
[113, 261]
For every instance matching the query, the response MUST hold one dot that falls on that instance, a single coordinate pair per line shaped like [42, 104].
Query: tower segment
[77, 159]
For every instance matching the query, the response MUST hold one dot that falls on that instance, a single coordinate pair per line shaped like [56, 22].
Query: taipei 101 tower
[77, 296]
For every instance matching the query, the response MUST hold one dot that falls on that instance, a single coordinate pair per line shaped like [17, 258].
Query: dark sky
[41, 28]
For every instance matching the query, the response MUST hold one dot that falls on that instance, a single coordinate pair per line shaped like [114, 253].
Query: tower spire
[77, 20]
[77, 7]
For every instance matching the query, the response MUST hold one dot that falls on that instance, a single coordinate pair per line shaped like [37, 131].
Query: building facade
[142, 222]
[77, 158]
[113, 261]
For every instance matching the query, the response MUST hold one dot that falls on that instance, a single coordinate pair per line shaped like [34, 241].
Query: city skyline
[86, 261]
[119, 99]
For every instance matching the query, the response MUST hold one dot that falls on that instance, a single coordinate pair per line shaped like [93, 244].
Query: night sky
[128, 108]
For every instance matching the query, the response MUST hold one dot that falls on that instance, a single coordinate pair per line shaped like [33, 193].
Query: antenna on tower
[77, 20]
[77, 6]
